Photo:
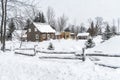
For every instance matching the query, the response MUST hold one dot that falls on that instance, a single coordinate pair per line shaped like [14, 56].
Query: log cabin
[40, 32]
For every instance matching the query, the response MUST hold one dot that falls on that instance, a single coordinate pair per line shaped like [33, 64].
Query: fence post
[35, 50]
[83, 54]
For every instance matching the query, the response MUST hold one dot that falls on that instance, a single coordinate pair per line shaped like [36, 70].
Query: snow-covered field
[110, 46]
[20, 67]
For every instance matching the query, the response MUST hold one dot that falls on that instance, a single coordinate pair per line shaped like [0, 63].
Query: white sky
[81, 10]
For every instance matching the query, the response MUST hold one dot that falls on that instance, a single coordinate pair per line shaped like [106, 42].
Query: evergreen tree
[50, 47]
[107, 34]
[38, 18]
[113, 30]
[82, 29]
[91, 30]
[28, 22]
[43, 18]
[90, 43]
[11, 29]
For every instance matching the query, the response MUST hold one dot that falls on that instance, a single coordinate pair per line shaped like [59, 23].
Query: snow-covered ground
[108, 61]
[59, 45]
[63, 45]
[110, 46]
[19, 67]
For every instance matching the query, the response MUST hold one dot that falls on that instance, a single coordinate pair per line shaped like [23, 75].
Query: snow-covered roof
[57, 33]
[83, 34]
[45, 28]
[72, 33]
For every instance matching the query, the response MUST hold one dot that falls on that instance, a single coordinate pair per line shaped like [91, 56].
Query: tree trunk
[2, 21]
[4, 31]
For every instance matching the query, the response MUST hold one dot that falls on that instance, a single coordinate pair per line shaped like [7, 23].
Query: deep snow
[21, 67]
[16, 67]
[110, 46]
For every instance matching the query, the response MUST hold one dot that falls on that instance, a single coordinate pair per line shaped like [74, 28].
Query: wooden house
[66, 34]
[73, 35]
[39, 32]
[82, 35]
[58, 35]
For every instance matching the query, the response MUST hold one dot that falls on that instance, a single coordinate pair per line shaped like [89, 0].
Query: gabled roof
[57, 33]
[83, 34]
[44, 28]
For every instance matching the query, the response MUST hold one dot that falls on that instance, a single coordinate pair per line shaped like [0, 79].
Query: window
[48, 36]
[29, 30]
[52, 36]
[35, 29]
[44, 36]
[37, 36]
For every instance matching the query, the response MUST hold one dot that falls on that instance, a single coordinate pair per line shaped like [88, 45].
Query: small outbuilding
[83, 35]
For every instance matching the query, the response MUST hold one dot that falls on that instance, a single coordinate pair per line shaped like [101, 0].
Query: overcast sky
[81, 10]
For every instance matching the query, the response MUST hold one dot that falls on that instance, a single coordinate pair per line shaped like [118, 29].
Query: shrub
[50, 47]
[90, 43]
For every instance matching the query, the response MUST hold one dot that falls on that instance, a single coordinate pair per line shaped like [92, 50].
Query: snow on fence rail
[114, 67]
[24, 54]
[106, 55]
[50, 52]
[25, 51]
[72, 58]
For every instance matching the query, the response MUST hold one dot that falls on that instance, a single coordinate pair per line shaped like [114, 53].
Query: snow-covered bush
[50, 47]
[90, 43]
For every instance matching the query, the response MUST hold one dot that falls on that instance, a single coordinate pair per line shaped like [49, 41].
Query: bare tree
[62, 22]
[31, 12]
[3, 23]
[72, 28]
[51, 17]
[99, 22]
[2, 16]
[6, 6]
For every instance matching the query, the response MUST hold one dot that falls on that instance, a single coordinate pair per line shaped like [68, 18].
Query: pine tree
[35, 19]
[82, 29]
[43, 18]
[50, 47]
[91, 30]
[113, 30]
[107, 34]
[28, 22]
[90, 43]
[38, 18]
